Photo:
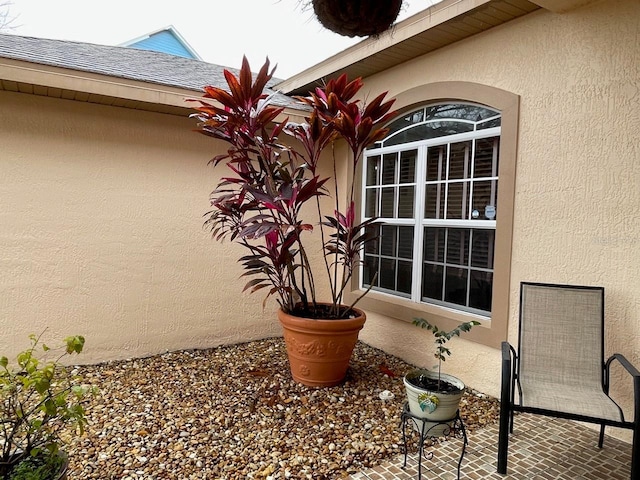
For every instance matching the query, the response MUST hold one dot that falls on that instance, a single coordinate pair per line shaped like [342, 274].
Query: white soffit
[440, 25]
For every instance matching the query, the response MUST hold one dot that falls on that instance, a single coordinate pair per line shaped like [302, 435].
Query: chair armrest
[633, 371]
[506, 351]
[507, 370]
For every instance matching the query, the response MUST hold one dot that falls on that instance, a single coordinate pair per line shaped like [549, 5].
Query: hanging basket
[357, 18]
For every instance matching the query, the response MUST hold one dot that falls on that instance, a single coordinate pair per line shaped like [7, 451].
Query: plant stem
[337, 295]
[324, 257]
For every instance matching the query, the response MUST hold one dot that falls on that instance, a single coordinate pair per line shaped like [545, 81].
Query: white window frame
[421, 147]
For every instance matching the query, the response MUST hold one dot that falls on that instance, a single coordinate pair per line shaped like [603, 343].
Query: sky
[221, 31]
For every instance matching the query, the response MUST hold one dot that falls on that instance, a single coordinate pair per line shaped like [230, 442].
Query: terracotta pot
[319, 350]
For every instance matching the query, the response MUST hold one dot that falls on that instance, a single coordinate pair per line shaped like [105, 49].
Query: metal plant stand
[454, 427]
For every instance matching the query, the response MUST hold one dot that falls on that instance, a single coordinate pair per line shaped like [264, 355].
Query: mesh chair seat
[574, 400]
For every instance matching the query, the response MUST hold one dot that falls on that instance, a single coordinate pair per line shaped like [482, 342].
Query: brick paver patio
[540, 448]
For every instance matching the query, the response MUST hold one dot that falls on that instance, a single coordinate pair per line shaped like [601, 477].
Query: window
[433, 185]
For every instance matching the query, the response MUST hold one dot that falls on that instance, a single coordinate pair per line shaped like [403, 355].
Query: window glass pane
[404, 276]
[434, 244]
[373, 246]
[387, 209]
[484, 200]
[369, 271]
[486, 158]
[428, 130]
[475, 113]
[459, 157]
[434, 201]
[458, 246]
[373, 166]
[489, 123]
[405, 242]
[388, 240]
[457, 200]
[482, 248]
[432, 281]
[436, 163]
[408, 166]
[387, 273]
[405, 202]
[389, 169]
[412, 118]
[480, 290]
[371, 202]
[455, 290]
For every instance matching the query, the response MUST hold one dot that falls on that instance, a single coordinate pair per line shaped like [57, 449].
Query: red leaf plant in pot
[259, 204]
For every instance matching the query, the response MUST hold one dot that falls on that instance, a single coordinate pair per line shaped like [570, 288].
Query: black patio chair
[559, 368]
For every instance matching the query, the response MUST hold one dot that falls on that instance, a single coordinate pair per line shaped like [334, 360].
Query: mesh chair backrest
[561, 334]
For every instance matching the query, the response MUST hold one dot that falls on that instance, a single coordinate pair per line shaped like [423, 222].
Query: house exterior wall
[102, 213]
[164, 42]
[102, 206]
[577, 173]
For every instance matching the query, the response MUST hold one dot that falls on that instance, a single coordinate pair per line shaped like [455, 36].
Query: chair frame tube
[510, 381]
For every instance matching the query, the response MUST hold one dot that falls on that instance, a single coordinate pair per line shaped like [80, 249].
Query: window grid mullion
[494, 171]
[439, 187]
[378, 210]
[444, 268]
[469, 268]
[396, 188]
[418, 232]
[472, 178]
[446, 186]
[465, 184]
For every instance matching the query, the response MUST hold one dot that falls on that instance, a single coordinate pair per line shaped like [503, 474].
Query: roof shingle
[122, 62]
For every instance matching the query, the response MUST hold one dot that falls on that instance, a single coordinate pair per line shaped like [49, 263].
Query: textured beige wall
[578, 168]
[102, 207]
[102, 233]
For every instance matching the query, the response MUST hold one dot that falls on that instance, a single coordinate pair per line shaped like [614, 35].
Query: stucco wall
[102, 207]
[578, 168]
[102, 233]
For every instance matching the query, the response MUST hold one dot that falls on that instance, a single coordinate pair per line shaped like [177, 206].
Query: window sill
[487, 333]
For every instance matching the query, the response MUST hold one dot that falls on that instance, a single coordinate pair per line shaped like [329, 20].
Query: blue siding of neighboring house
[165, 42]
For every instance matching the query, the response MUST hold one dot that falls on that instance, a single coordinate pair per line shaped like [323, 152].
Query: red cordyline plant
[260, 203]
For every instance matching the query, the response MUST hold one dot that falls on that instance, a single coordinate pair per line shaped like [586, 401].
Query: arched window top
[439, 120]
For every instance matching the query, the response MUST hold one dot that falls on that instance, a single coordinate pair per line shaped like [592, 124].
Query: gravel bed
[233, 412]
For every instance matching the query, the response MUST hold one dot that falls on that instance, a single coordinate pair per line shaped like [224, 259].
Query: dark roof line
[121, 62]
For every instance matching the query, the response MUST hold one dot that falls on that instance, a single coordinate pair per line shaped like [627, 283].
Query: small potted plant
[432, 394]
[270, 189]
[39, 400]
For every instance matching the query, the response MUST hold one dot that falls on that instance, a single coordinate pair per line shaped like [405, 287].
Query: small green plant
[442, 337]
[39, 399]
[37, 468]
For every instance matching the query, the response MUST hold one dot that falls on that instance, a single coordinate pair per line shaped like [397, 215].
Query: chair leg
[506, 412]
[511, 421]
[635, 453]
[506, 417]
[601, 438]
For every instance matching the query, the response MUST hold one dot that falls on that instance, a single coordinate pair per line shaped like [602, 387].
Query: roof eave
[442, 24]
[26, 77]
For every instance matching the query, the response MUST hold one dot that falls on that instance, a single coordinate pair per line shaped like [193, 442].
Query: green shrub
[39, 399]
